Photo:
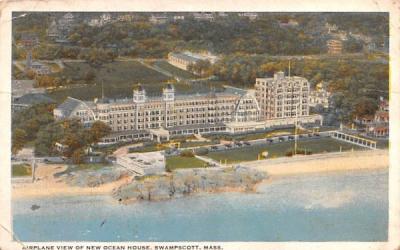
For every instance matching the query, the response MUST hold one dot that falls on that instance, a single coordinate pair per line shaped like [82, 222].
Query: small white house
[143, 163]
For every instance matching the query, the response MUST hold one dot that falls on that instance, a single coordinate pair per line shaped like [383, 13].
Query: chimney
[279, 75]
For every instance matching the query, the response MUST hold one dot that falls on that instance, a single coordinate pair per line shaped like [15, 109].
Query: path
[125, 149]
[156, 68]
[210, 161]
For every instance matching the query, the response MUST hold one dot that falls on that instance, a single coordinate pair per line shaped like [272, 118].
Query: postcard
[196, 126]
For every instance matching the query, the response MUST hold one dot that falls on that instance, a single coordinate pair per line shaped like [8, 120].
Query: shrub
[299, 152]
[186, 153]
[149, 143]
[202, 151]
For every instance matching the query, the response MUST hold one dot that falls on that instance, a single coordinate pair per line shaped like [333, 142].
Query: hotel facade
[231, 111]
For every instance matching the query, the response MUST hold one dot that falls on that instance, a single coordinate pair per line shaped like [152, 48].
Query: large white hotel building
[275, 102]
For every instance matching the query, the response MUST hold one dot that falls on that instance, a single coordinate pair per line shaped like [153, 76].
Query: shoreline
[323, 163]
[48, 186]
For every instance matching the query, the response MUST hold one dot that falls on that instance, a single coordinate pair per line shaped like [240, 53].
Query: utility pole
[296, 117]
[33, 169]
[102, 89]
[295, 131]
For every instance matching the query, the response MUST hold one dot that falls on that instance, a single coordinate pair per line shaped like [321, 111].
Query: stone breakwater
[188, 181]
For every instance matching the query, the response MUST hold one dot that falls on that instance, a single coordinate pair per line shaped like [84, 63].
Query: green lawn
[382, 143]
[189, 144]
[118, 79]
[279, 149]
[83, 166]
[175, 162]
[19, 170]
[174, 70]
[254, 136]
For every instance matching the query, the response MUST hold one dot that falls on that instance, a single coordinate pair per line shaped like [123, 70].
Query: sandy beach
[329, 162]
[47, 185]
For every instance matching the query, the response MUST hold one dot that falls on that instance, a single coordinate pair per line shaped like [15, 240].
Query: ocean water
[324, 207]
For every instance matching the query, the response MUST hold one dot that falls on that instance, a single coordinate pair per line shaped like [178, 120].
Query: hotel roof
[185, 57]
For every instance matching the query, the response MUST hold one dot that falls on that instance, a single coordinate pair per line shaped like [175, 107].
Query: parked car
[291, 138]
[246, 143]
[270, 140]
[281, 139]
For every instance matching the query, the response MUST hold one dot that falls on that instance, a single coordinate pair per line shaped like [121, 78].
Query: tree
[18, 140]
[89, 75]
[352, 45]
[31, 74]
[45, 81]
[77, 156]
[97, 131]
[201, 67]
[46, 139]
[365, 106]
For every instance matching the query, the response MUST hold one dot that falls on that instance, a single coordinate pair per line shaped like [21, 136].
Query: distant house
[23, 87]
[95, 22]
[64, 26]
[331, 27]
[158, 19]
[52, 31]
[28, 100]
[250, 15]
[320, 95]
[361, 37]
[290, 23]
[378, 124]
[59, 147]
[106, 18]
[66, 22]
[125, 18]
[334, 46]
[378, 130]
[100, 21]
[364, 121]
[204, 16]
[178, 18]
[182, 60]
[40, 68]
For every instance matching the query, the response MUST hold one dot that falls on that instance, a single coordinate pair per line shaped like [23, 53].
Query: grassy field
[279, 149]
[175, 162]
[118, 80]
[174, 70]
[19, 170]
[254, 136]
[189, 144]
[81, 167]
